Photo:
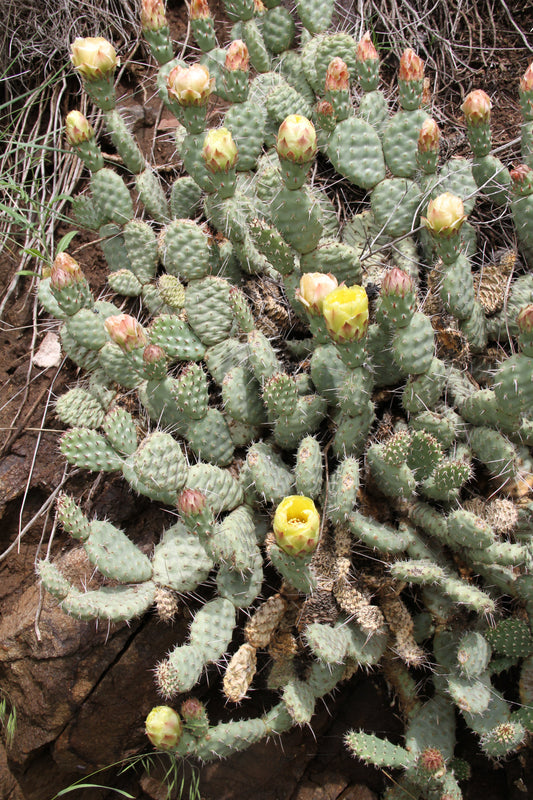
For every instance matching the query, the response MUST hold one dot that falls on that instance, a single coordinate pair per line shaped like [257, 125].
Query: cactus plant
[274, 451]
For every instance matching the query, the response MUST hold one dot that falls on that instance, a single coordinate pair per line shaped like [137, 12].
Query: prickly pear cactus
[326, 400]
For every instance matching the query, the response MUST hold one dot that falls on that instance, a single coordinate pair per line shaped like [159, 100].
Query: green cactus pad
[115, 555]
[400, 142]
[355, 151]
[116, 603]
[111, 197]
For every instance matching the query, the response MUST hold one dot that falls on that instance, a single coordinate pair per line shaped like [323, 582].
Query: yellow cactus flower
[297, 525]
[163, 727]
[345, 311]
[445, 215]
[93, 57]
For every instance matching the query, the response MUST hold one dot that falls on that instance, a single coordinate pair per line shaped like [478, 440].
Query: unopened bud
[126, 332]
[153, 17]
[429, 137]
[237, 57]
[219, 151]
[190, 86]
[297, 525]
[397, 282]
[445, 215]
[345, 311]
[526, 81]
[199, 9]
[153, 354]
[297, 139]
[522, 180]
[78, 129]
[366, 50]
[337, 76]
[525, 320]
[411, 66]
[314, 287]
[476, 107]
[65, 272]
[259, 7]
[163, 727]
[191, 502]
[93, 57]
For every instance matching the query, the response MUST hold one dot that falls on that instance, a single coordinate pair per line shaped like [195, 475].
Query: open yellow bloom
[345, 311]
[297, 525]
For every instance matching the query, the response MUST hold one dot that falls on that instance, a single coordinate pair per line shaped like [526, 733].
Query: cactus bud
[94, 58]
[431, 763]
[297, 139]
[191, 502]
[153, 17]
[366, 50]
[325, 115]
[314, 287]
[337, 76]
[199, 9]
[77, 128]
[397, 283]
[195, 717]
[297, 525]
[219, 150]
[411, 66]
[190, 86]
[429, 137]
[445, 215]
[65, 272]
[163, 727]
[522, 180]
[153, 354]
[476, 107]
[345, 311]
[126, 332]
[525, 320]
[526, 81]
[237, 57]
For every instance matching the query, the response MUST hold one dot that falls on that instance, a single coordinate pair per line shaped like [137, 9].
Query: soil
[306, 764]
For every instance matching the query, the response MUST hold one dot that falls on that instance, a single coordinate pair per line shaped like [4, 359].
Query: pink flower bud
[191, 502]
[237, 57]
[314, 287]
[153, 17]
[192, 709]
[219, 151]
[411, 66]
[522, 178]
[163, 727]
[77, 128]
[153, 354]
[525, 320]
[476, 107]
[190, 86]
[337, 76]
[65, 272]
[94, 58]
[323, 108]
[199, 9]
[397, 282]
[445, 215]
[126, 332]
[429, 137]
[297, 139]
[526, 81]
[366, 50]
